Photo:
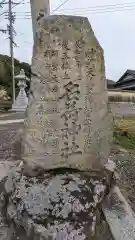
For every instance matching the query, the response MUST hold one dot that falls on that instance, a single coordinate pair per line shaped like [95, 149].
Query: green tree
[5, 73]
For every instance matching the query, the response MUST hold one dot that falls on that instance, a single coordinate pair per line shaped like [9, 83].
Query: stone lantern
[21, 100]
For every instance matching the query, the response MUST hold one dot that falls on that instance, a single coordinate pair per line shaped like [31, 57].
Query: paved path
[11, 118]
[3, 122]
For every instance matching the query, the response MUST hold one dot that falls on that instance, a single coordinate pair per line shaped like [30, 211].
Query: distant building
[126, 81]
[110, 84]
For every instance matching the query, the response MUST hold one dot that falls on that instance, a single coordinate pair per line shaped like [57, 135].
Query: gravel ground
[9, 148]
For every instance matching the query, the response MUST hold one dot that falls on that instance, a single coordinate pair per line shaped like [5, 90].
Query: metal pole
[11, 50]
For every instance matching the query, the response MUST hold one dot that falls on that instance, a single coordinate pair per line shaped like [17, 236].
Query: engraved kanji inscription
[65, 45]
[50, 53]
[68, 102]
[71, 118]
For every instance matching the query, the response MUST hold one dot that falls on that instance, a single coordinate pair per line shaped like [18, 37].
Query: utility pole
[11, 39]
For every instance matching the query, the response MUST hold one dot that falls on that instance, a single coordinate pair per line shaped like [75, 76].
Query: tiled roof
[110, 82]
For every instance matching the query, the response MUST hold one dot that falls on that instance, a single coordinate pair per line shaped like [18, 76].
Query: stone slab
[67, 123]
[119, 216]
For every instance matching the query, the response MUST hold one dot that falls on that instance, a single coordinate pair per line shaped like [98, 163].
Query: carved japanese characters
[67, 124]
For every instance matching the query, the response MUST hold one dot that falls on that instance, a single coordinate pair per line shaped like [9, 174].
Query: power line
[130, 4]
[102, 6]
[98, 11]
[113, 10]
[92, 9]
[1, 3]
[15, 4]
[89, 9]
[59, 6]
[104, 9]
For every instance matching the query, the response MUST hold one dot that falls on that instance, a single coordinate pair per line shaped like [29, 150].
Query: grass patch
[124, 132]
[124, 139]
[126, 124]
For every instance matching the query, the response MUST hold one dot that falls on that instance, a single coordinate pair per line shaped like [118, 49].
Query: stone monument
[57, 190]
[39, 10]
[21, 102]
[67, 124]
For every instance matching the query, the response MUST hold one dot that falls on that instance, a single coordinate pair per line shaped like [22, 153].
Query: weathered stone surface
[67, 117]
[58, 205]
[7, 231]
[39, 10]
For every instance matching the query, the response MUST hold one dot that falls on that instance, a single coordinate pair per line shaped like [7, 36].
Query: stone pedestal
[21, 102]
[62, 204]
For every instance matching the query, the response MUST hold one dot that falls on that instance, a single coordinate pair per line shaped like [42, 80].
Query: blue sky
[115, 30]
